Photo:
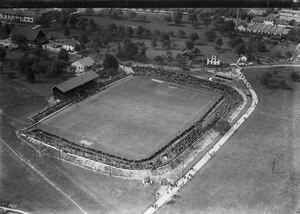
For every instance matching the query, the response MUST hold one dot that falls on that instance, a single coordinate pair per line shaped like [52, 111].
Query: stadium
[139, 121]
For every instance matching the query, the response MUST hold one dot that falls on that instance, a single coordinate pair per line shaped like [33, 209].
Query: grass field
[94, 192]
[239, 179]
[133, 118]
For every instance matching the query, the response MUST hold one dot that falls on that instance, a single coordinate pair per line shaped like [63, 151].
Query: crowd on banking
[229, 100]
[76, 95]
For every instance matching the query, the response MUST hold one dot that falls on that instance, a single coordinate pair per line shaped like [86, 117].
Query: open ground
[257, 170]
[93, 192]
[133, 118]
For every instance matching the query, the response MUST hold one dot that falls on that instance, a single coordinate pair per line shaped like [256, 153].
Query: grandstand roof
[76, 81]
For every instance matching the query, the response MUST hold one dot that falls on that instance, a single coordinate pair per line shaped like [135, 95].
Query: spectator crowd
[229, 100]
[76, 95]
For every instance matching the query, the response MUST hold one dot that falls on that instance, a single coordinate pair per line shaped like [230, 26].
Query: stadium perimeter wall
[105, 168]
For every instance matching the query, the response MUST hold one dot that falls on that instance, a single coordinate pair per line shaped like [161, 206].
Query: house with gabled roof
[69, 44]
[82, 65]
[33, 36]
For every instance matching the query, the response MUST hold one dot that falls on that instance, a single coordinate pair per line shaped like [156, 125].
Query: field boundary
[142, 170]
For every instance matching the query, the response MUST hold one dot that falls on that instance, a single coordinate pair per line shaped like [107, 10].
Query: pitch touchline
[43, 176]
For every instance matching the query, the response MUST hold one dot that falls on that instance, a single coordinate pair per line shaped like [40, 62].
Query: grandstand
[64, 89]
[163, 153]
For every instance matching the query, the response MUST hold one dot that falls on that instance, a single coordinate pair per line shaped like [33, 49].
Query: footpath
[171, 190]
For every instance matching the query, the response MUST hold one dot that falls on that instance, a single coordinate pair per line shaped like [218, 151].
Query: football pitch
[133, 118]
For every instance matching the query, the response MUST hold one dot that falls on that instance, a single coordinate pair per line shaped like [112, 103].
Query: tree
[219, 42]
[83, 23]
[30, 77]
[110, 62]
[228, 26]
[181, 33]
[129, 32]
[240, 49]
[261, 47]
[194, 36]
[193, 17]
[73, 21]
[56, 68]
[63, 20]
[222, 126]
[189, 44]
[278, 54]
[177, 16]
[4, 31]
[167, 19]
[171, 33]
[179, 58]
[90, 11]
[84, 38]
[159, 59]
[67, 31]
[153, 43]
[206, 22]
[20, 40]
[294, 35]
[115, 13]
[166, 44]
[295, 76]
[210, 33]
[163, 36]
[24, 63]
[2, 53]
[63, 55]
[139, 31]
[265, 78]
[292, 22]
[169, 55]
[43, 20]
[131, 14]
[141, 18]
[288, 54]
[92, 23]
[147, 34]
[235, 41]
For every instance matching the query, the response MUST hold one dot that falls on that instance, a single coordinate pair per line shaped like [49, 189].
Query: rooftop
[70, 42]
[76, 81]
[28, 32]
[290, 11]
[86, 61]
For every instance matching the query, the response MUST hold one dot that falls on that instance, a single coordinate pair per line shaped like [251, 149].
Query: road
[171, 190]
[10, 210]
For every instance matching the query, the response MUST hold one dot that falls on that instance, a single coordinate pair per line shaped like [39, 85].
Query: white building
[82, 65]
[213, 61]
[69, 44]
[258, 11]
[288, 15]
[24, 15]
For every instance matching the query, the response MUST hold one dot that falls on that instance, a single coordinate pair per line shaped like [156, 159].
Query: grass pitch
[133, 118]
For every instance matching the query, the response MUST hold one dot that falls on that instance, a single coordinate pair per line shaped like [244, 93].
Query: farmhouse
[63, 89]
[69, 44]
[213, 60]
[33, 36]
[258, 11]
[83, 64]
